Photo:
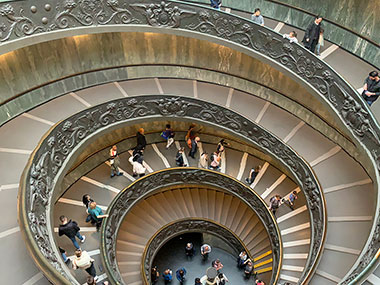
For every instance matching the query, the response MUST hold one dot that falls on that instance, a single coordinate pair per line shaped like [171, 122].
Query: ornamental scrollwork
[16, 23]
[149, 184]
[63, 140]
[72, 13]
[163, 14]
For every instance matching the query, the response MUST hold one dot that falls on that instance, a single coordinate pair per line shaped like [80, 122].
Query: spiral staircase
[347, 186]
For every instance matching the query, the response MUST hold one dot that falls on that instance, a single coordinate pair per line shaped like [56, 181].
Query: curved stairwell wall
[93, 96]
[83, 126]
[17, 160]
[201, 194]
[150, 216]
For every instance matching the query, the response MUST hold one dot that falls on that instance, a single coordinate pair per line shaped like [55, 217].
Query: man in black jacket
[371, 88]
[310, 40]
[141, 141]
[70, 229]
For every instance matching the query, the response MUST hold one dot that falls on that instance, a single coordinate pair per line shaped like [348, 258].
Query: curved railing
[179, 227]
[144, 187]
[338, 34]
[57, 151]
[23, 21]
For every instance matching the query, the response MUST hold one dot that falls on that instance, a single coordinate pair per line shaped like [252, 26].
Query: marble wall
[362, 16]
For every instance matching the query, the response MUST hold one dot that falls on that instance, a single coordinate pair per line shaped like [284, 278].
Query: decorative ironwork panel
[60, 144]
[22, 19]
[176, 176]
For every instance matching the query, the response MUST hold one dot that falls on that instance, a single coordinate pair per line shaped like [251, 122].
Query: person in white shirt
[205, 250]
[83, 261]
[203, 160]
[137, 165]
[292, 37]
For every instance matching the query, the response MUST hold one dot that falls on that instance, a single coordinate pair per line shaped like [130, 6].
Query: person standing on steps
[138, 167]
[274, 204]
[205, 251]
[257, 17]
[312, 33]
[180, 274]
[86, 199]
[114, 162]
[215, 161]
[70, 229]
[371, 88]
[141, 140]
[221, 146]
[203, 160]
[168, 135]
[253, 174]
[83, 261]
[191, 134]
[194, 147]
[290, 201]
[168, 276]
[96, 214]
[179, 161]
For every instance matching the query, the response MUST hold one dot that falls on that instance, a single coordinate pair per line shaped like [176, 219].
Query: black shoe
[68, 262]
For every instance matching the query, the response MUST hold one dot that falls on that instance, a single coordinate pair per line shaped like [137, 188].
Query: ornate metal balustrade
[57, 150]
[143, 188]
[23, 19]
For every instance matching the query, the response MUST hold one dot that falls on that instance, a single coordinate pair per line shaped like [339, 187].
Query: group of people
[205, 250]
[313, 40]
[136, 159]
[206, 161]
[276, 201]
[243, 262]
[246, 264]
[70, 229]
[81, 260]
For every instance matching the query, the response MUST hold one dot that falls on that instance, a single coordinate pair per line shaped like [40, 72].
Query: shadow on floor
[172, 256]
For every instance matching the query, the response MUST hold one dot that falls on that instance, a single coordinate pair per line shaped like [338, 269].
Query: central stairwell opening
[172, 255]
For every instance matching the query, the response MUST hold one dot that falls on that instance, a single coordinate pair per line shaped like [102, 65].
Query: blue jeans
[370, 102]
[318, 49]
[64, 256]
[75, 243]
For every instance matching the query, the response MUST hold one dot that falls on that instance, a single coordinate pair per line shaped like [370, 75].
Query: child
[292, 37]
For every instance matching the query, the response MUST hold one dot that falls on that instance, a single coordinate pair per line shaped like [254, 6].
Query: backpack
[179, 159]
[189, 142]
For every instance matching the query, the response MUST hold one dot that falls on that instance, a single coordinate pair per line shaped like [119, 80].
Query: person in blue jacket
[180, 274]
[216, 4]
[168, 276]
